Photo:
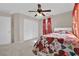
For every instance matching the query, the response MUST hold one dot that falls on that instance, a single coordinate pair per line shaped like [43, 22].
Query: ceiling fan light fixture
[39, 14]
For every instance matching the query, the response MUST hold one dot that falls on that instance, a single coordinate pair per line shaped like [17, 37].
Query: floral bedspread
[57, 44]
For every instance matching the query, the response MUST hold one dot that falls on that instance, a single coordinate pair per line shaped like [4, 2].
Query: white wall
[30, 29]
[63, 20]
[17, 28]
[5, 30]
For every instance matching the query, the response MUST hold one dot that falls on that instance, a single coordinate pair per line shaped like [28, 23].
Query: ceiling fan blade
[32, 11]
[46, 10]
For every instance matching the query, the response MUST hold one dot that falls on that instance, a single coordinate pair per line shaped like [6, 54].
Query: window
[30, 29]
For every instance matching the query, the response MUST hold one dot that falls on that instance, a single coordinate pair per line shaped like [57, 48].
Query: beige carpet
[17, 49]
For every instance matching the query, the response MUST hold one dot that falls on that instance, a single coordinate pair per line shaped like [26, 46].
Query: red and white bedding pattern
[57, 44]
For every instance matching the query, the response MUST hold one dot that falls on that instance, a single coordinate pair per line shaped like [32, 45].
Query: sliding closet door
[5, 30]
[30, 29]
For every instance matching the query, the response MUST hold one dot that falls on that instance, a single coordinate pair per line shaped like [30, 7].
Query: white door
[5, 30]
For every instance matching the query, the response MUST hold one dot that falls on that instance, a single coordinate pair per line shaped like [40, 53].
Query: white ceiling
[56, 8]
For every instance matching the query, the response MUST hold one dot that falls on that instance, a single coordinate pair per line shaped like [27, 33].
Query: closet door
[30, 29]
[5, 30]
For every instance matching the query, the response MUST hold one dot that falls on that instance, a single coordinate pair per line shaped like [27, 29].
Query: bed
[58, 43]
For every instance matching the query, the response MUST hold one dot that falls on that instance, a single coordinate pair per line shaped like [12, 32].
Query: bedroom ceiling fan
[40, 11]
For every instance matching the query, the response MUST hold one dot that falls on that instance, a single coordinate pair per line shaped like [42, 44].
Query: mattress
[57, 44]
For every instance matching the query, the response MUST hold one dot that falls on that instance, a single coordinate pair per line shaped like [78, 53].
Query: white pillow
[62, 30]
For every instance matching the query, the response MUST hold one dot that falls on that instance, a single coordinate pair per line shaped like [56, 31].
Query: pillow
[62, 30]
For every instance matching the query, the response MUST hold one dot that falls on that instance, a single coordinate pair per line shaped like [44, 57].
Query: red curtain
[49, 25]
[44, 26]
[76, 19]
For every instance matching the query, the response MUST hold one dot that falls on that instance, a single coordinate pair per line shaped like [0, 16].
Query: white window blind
[30, 29]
